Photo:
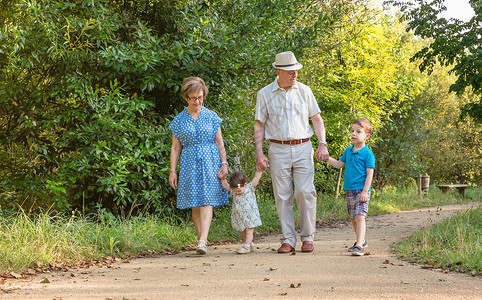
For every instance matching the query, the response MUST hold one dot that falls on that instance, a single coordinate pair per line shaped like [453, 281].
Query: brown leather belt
[292, 142]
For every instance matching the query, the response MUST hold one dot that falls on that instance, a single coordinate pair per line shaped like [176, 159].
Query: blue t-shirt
[356, 164]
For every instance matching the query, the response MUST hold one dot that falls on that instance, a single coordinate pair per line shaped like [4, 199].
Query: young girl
[245, 213]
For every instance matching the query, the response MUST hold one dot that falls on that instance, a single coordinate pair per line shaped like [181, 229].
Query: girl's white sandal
[246, 249]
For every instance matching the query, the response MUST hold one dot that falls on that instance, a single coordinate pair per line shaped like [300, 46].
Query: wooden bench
[460, 187]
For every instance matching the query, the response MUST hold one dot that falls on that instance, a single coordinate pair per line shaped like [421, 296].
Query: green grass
[455, 243]
[394, 199]
[45, 239]
[28, 241]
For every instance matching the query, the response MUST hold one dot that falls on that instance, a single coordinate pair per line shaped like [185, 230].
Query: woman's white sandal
[202, 249]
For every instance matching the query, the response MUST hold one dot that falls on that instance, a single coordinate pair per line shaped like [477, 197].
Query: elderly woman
[196, 130]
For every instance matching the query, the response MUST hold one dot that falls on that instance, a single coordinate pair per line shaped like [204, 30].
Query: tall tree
[454, 43]
[353, 74]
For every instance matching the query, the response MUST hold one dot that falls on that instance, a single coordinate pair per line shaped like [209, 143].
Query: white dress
[245, 213]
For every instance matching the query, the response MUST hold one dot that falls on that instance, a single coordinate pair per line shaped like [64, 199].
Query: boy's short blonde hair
[365, 124]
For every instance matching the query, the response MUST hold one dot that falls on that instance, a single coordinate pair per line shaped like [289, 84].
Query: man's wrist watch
[324, 143]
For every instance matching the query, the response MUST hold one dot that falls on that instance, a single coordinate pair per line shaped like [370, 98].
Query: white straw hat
[286, 61]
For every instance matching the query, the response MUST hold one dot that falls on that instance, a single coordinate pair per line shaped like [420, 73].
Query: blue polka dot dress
[198, 184]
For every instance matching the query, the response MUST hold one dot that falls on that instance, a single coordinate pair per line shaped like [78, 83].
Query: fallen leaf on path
[397, 265]
[293, 253]
[404, 282]
[367, 253]
[45, 280]
[9, 290]
[294, 287]
[386, 262]
[272, 269]
[16, 275]
[427, 267]
[266, 279]
[283, 294]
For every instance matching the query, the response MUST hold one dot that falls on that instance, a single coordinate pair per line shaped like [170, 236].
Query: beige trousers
[288, 164]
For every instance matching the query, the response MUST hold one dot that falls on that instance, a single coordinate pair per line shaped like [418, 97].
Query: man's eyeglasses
[194, 99]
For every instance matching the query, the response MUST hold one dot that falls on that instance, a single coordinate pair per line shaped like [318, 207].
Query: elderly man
[283, 110]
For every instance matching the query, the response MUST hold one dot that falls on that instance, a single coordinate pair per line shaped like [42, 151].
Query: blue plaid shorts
[355, 207]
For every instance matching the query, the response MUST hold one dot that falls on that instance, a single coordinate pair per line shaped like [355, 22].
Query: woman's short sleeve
[216, 122]
[175, 126]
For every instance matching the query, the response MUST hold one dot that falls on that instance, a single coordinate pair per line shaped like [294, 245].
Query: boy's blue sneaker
[351, 248]
[357, 251]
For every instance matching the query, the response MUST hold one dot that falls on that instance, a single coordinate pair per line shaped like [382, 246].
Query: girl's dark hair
[236, 179]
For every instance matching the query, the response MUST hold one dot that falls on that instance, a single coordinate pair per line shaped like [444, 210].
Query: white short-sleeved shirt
[286, 113]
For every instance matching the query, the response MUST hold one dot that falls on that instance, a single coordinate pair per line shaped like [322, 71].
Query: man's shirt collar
[277, 87]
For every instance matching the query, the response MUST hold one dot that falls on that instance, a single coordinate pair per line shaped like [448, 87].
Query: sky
[459, 9]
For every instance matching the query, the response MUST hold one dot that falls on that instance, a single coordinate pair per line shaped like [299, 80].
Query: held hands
[363, 196]
[261, 162]
[223, 172]
[322, 153]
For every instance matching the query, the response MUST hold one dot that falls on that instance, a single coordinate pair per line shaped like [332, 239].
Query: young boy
[359, 163]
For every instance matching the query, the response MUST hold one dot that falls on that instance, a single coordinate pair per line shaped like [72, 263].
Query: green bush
[120, 154]
[88, 89]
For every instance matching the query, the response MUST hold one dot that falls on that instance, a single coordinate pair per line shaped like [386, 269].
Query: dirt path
[328, 273]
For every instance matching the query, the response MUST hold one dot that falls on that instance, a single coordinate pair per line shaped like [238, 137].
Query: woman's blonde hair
[193, 85]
